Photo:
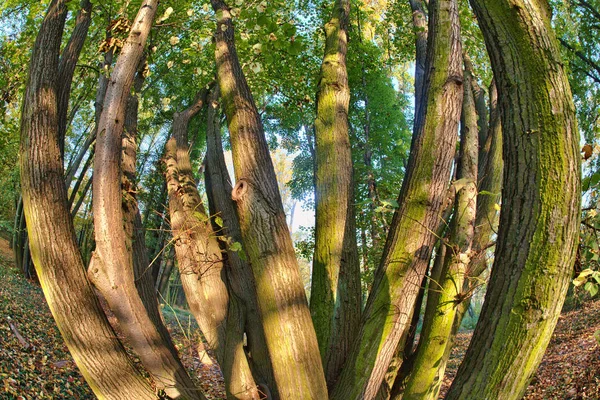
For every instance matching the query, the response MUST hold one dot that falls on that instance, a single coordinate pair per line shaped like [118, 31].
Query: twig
[21, 339]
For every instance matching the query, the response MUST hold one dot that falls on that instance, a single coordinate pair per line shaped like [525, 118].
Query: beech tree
[326, 83]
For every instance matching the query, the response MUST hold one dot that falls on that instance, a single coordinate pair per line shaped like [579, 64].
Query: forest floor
[35, 363]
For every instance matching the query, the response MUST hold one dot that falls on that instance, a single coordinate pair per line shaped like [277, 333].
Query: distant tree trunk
[112, 265]
[290, 336]
[82, 196]
[335, 292]
[411, 238]
[66, 67]
[429, 366]
[541, 202]
[81, 178]
[419, 19]
[98, 353]
[367, 152]
[163, 282]
[490, 186]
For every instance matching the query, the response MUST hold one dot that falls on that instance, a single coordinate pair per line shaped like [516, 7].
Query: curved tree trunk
[541, 202]
[411, 237]
[132, 220]
[243, 313]
[290, 336]
[97, 352]
[66, 67]
[112, 265]
[201, 263]
[335, 302]
[429, 365]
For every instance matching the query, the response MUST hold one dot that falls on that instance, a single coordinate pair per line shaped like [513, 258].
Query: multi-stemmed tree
[235, 254]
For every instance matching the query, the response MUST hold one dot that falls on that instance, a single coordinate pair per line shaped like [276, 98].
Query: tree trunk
[163, 282]
[411, 237]
[335, 292]
[243, 313]
[419, 19]
[367, 153]
[429, 366]
[82, 196]
[201, 263]
[290, 336]
[98, 353]
[66, 67]
[80, 179]
[132, 221]
[112, 265]
[541, 202]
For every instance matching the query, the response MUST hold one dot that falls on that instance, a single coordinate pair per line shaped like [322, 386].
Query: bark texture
[112, 265]
[446, 293]
[201, 263]
[541, 202]
[335, 292]
[97, 352]
[285, 316]
[243, 316]
[411, 238]
[67, 64]
[419, 20]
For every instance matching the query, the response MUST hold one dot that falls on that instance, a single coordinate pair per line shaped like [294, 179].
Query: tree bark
[98, 353]
[290, 336]
[429, 366]
[335, 292]
[419, 19]
[66, 67]
[243, 313]
[201, 264]
[541, 202]
[112, 265]
[411, 237]
[163, 282]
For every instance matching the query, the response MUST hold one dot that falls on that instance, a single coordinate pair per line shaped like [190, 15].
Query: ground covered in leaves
[570, 369]
[35, 363]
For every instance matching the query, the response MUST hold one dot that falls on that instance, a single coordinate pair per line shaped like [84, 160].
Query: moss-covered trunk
[446, 293]
[289, 332]
[411, 238]
[97, 352]
[335, 292]
[541, 196]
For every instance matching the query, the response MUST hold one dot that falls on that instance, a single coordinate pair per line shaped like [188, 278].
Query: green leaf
[235, 246]
[591, 288]
[219, 221]
[594, 179]
[579, 281]
[295, 48]
[262, 20]
[390, 203]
